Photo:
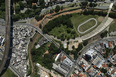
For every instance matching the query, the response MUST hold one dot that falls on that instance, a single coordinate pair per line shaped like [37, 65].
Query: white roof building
[91, 52]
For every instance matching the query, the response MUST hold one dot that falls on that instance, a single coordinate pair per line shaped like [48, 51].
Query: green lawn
[9, 73]
[112, 27]
[78, 19]
[63, 32]
[87, 25]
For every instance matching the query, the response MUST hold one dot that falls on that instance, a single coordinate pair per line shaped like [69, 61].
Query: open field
[9, 73]
[78, 19]
[113, 27]
[63, 32]
[87, 25]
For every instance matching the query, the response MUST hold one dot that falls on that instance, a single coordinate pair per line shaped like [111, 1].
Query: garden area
[44, 54]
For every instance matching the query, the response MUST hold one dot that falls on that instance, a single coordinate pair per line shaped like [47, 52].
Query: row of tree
[92, 12]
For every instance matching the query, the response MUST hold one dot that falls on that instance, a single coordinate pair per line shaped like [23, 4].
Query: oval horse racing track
[85, 23]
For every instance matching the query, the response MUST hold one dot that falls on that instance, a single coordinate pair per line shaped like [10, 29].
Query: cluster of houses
[62, 64]
[47, 2]
[2, 44]
[21, 38]
[93, 61]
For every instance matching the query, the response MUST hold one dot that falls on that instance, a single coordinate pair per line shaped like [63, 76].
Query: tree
[83, 4]
[51, 10]
[15, 17]
[37, 11]
[103, 34]
[110, 65]
[31, 14]
[21, 4]
[57, 8]
[34, 7]
[73, 47]
[61, 8]
[17, 9]
[85, 42]
[31, 39]
[103, 70]
[80, 46]
[40, 26]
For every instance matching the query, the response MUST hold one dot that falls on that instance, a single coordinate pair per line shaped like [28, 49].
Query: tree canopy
[83, 4]
[57, 8]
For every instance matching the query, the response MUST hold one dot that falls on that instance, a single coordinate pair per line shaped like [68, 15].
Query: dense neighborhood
[58, 38]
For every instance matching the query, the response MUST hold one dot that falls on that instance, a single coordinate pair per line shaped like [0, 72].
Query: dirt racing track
[85, 23]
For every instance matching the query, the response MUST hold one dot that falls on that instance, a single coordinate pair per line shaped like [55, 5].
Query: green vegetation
[45, 60]
[36, 75]
[29, 68]
[87, 25]
[36, 70]
[104, 34]
[38, 17]
[85, 42]
[112, 27]
[61, 27]
[8, 73]
[29, 12]
[110, 65]
[63, 32]
[93, 4]
[77, 19]
[114, 50]
[103, 70]
[57, 8]
[83, 4]
[2, 9]
[107, 52]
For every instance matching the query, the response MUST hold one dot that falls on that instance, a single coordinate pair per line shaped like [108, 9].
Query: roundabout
[78, 28]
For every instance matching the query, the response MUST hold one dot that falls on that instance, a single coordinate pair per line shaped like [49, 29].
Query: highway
[7, 36]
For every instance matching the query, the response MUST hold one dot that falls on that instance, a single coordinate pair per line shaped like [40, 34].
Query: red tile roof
[99, 73]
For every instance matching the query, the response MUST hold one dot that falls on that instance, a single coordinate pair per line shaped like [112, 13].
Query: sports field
[79, 19]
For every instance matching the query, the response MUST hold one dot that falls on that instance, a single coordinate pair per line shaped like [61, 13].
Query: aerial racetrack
[65, 27]
[91, 21]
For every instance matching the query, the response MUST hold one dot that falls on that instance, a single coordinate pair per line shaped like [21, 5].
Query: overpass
[7, 36]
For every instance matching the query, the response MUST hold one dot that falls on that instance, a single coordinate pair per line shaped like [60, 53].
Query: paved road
[7, 36]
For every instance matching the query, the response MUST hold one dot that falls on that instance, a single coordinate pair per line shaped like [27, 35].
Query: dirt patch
[94, 38]
[31, 46]
[100, 19]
